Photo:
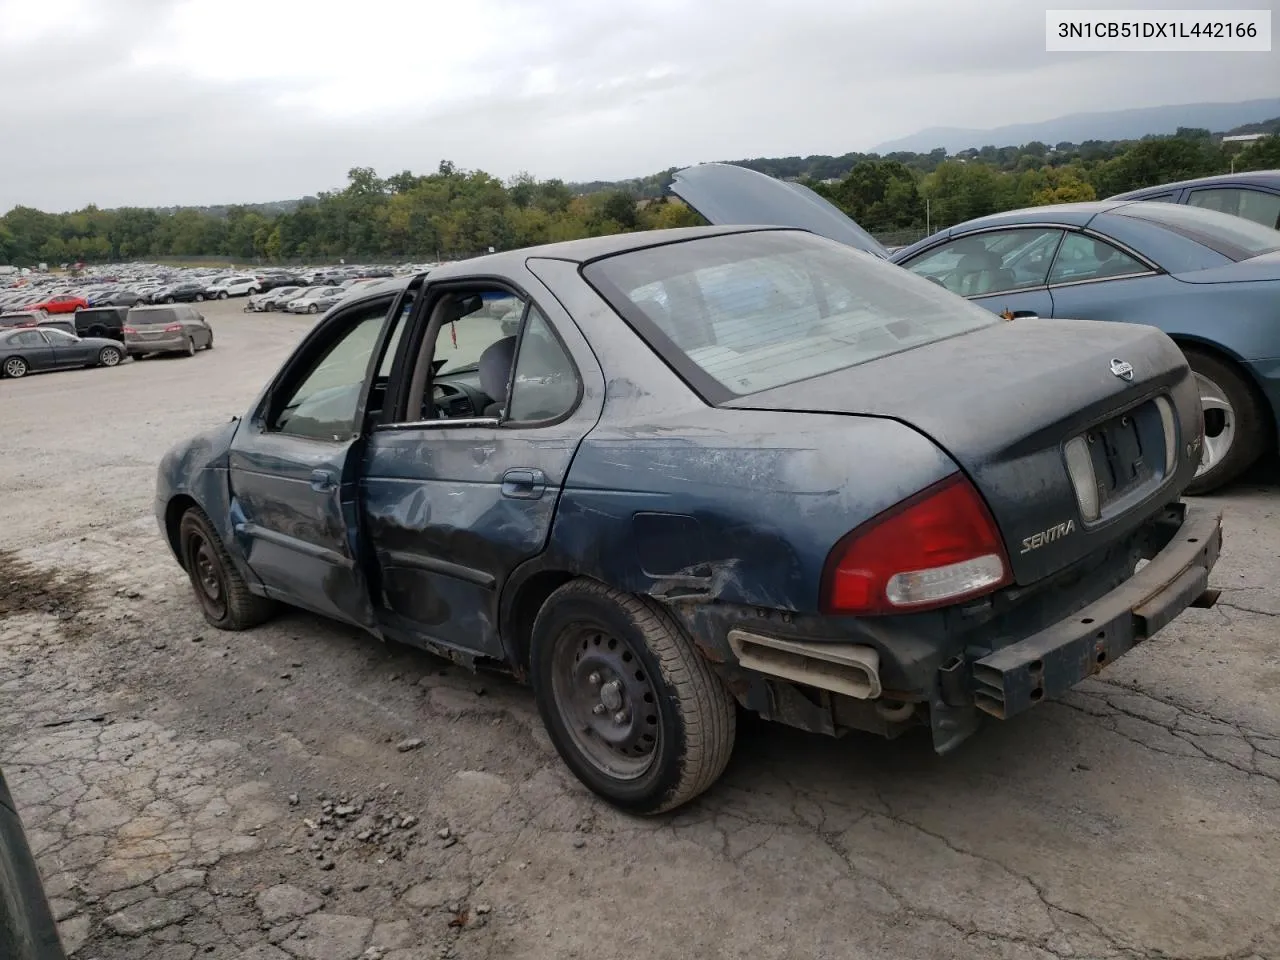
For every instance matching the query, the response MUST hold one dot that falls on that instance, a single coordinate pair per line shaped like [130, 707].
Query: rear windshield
[1234, 237]
[752, 311]
[144, 317]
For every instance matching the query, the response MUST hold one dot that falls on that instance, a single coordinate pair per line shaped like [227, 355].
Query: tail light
[936, 548]
[130, 330]
[173, 328]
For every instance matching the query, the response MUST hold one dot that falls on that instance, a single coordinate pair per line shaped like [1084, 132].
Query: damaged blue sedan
[667, 476]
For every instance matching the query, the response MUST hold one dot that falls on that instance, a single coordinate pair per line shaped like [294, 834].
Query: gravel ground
[305, 791]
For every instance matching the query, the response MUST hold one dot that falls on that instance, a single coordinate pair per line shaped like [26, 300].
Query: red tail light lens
[173, 328]
[934, 549]
[130, 330]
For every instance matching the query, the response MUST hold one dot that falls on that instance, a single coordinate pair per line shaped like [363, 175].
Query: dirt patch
[26, 589]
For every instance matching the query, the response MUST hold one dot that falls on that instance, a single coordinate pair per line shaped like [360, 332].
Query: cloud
[206, 101]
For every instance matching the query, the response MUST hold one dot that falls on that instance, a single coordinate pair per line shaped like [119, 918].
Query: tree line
[453, 212]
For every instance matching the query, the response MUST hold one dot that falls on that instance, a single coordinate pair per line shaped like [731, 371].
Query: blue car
[711, 469]
[1254, 195]
[1210, 280]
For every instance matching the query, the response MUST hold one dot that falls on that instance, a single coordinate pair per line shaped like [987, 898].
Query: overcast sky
[157, 102]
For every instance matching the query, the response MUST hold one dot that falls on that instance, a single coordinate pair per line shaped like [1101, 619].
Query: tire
[191, 346]
[1236, 425]
[109, 357]
[313, 309]
[222, 294]
[224, 597]
[588, 637]
[168, 300]
[15, 368]
[209, 345]
[199, 298]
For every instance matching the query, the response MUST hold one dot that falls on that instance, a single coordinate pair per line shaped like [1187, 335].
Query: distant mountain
[1078, 127]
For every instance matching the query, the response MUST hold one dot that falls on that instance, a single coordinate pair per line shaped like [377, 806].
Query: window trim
[315, 347]
[411, 347]
[1062, 234]
[1153, 269]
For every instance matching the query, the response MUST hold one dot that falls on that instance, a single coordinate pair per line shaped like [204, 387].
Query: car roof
[1068, 214]
[1262, 178]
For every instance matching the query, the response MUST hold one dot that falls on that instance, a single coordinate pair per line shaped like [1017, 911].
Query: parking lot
[302, 790]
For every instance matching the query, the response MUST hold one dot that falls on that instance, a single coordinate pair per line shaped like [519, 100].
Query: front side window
[994, 262]
[756, 310]
[1088, 258]
[325, 404]
[1255, 205]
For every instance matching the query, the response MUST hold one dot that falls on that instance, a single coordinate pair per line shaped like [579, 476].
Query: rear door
[294, 469]
[32, 347]
[464, 489]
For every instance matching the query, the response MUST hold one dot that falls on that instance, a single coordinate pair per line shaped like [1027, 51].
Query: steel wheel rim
[110, 358]
[1219, 424]
[206, 573]
[15, 368]
[606, 701]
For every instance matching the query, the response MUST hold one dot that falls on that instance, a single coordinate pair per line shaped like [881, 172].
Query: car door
[1004, 270]
[68, 351]
[1093, 279]
[454, 503]
[294, 466]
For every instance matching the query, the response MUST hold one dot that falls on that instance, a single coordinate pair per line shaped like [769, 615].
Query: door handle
[524, 484]
[322, 481]
[1024, 315]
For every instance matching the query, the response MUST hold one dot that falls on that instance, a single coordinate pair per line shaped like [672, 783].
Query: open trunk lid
[729, 195]
[1004, 400]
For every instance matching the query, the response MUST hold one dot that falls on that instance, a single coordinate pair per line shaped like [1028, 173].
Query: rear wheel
[199, 298]
[15, 367]
[168, 300]
[1235, 424]
[223, 595]
[109, 357]
[191, 346]
[633, 709]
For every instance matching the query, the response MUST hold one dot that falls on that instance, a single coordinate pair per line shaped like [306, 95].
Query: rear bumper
[1051, 662]
[165, 345]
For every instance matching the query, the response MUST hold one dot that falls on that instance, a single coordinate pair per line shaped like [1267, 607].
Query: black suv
[100, 322]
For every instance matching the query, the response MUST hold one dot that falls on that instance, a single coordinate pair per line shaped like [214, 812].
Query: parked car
[274, 281]
[1209, 280]
[62, 303]
[274, 299]
[24, 351]
[27, 927]
[240, 285]
[187, 291]
[315, 300]
[168, 329]
[21, 318]
[1254, 196]
[849, 501]
[100, 322]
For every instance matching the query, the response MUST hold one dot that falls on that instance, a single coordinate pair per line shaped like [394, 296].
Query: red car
[63, 303]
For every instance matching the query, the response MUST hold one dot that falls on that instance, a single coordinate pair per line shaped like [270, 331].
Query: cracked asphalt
[303, 791]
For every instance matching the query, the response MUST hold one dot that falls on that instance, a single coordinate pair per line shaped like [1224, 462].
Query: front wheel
[313, 309]
[1235, 424]
[199, 298]
[223, 595]
[632, 708]
[222, 294]
[168, 300]
[109, 357]
[15, 367]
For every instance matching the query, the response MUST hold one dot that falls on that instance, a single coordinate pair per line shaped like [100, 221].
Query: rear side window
[1256, 205]
[745, 312]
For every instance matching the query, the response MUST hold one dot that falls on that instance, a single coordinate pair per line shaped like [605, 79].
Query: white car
[237, 286]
